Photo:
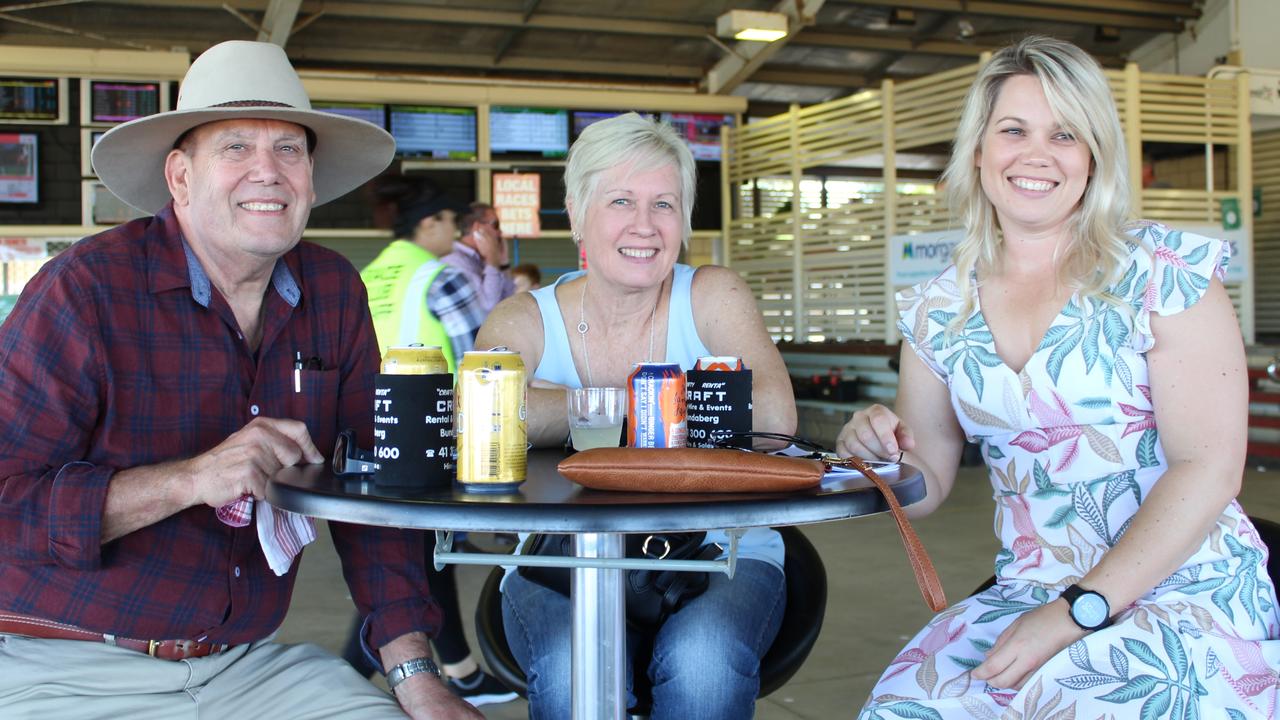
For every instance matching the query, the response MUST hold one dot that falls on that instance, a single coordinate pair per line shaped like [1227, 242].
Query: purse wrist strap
[921, 565]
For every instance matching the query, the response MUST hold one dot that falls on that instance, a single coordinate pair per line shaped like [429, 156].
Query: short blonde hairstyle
[1081, 101]
[626, 139]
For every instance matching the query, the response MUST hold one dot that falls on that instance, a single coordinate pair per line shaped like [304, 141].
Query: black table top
[548, 502]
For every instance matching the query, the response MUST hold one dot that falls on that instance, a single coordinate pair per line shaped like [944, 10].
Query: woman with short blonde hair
[629, 186]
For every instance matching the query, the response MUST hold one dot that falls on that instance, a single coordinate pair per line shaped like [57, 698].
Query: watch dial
[1090, 609]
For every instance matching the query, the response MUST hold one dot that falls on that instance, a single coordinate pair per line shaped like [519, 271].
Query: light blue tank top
[684, 347]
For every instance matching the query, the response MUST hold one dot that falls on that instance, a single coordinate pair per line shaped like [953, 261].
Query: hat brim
[129, 158]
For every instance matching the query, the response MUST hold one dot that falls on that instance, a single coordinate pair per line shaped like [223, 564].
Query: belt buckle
[151, 647]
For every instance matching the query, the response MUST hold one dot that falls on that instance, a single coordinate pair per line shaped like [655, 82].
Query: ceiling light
[902, 16]
[752, 25]
[1106, 33]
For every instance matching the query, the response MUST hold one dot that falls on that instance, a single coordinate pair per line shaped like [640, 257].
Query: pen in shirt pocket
[299, 364]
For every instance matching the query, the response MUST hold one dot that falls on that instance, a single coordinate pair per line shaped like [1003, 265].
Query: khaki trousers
[57, 679]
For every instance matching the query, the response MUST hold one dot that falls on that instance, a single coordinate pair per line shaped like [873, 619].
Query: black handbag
[651, 595]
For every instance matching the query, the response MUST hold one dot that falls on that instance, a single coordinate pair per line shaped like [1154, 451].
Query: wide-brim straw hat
[245, 80]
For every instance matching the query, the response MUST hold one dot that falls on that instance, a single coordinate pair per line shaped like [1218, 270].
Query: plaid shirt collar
[167, 261]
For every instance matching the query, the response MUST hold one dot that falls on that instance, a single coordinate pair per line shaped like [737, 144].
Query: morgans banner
[916, 258]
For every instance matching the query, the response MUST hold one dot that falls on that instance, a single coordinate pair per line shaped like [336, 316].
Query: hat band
[251, 103]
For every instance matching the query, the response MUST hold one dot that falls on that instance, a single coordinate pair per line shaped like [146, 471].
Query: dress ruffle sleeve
[1171, 271]
[923, 313]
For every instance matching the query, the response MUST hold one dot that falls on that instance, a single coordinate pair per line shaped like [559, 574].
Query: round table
[548, 502]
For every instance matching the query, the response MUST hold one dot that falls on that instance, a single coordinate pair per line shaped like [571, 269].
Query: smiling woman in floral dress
[1099, 366]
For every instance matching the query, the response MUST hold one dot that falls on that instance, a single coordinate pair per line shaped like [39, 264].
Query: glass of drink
[595, 416]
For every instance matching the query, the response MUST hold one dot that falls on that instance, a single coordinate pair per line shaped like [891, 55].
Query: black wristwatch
[1089, 609]
[409, 668]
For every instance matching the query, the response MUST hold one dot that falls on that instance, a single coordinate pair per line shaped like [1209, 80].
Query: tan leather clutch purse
[689, 470]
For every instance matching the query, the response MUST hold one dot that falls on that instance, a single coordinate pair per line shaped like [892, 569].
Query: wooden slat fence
[829, 266]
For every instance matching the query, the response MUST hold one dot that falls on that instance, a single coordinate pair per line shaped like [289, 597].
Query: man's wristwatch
[409, 668]
[1089, 610]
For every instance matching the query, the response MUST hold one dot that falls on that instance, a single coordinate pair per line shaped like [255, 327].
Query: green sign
[1230, 213]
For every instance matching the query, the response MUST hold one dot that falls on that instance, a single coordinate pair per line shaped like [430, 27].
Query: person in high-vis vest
[416, 298]
[413, 296]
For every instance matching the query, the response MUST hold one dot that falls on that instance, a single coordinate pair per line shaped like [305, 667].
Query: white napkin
[282, 534]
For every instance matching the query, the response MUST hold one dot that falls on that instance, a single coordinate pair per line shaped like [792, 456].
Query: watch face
[1090, 609]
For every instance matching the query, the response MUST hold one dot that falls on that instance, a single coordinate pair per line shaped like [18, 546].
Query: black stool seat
[806, 579]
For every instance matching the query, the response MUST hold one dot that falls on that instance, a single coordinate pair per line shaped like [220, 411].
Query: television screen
[375, 113]
[445, 133]
[88, 138]
[529, 130]
[102, 207]
[700, 131]
[583, 118]
[31, 100]
[108, 101]
[18, 168]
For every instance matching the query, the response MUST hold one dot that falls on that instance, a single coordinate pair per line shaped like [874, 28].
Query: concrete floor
[873, 606]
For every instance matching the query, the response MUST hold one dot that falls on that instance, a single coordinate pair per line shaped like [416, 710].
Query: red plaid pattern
[120, 354]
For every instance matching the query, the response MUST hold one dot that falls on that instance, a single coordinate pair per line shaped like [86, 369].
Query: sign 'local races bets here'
[517, 197]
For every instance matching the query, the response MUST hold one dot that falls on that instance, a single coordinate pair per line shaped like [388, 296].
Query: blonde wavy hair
[1081, 101]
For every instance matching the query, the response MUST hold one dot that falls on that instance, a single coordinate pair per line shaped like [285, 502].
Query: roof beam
[747, 57]
[458, 16]
[797, 75]
[277, 23]
[892, 43]
[1186, 10]
[870, 41]
[420, 59]
[1024, 10]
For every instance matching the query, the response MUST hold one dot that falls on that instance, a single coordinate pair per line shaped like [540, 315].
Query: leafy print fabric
[1072, 449]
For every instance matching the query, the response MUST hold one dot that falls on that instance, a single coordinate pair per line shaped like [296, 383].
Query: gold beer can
[416, 359]
[491, 421]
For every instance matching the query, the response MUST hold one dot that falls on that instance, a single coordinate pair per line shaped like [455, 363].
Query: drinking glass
[595, 416]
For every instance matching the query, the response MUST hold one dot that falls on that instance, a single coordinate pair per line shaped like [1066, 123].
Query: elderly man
[148, 391]
[481, 255]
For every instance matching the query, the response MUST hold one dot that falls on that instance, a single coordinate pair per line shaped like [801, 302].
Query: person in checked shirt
[148, 391]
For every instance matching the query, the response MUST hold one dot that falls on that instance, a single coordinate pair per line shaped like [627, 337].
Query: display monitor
[584, 118]
[538, 131]
[88, 138]
[19, 168]
[701, 131]
[102, 207]
[107, 102]
[444, 133]
[33, 101]
[375, 113]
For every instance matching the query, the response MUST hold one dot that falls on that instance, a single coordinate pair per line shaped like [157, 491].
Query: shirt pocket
[314, 401]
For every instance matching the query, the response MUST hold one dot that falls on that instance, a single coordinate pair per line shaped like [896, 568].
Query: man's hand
[239, 466]
[491, 246]
[242, 464]
[425, 697]
[1027, 644]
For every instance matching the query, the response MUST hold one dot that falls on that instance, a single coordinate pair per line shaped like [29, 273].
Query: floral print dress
[1072, 449]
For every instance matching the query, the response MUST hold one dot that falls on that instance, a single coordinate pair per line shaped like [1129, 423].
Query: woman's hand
[1026, 645]
[875, 432]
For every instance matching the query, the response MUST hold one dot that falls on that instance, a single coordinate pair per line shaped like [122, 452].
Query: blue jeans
[706, 656]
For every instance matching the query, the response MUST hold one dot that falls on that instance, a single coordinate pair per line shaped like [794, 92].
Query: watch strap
[409, 668]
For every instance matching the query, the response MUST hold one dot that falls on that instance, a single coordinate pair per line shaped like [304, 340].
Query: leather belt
[35, 627]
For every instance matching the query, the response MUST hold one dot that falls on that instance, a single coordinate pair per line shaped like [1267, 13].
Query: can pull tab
[500, 348]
